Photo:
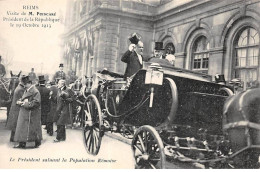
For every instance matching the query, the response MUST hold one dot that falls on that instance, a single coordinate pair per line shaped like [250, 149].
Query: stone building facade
[209, 36]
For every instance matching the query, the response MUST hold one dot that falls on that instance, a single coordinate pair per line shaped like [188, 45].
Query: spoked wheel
[127, 131]
[148, 148]
[92, 125]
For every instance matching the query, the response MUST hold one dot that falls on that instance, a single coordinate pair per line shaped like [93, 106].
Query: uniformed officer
[60, 74]
[32, 76]
[2, 68]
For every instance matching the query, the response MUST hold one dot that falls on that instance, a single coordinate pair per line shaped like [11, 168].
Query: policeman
[60, 74]
[2, 68]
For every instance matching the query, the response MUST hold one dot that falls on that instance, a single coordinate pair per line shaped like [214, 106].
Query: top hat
[134, 38]
[41, 78]
[32, 68]
[61, 65]
[25, 79]
[158, 46]
[220, 78]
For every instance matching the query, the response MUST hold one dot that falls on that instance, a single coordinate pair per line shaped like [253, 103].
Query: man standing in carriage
[59, 74]
[133, 57]
[2, 68]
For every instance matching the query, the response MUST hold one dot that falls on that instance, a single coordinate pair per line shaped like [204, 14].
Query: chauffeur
[60, 74]
[159, 56]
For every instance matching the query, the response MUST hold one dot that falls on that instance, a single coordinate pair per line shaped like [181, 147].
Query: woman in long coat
[14, 111]
[29, 120]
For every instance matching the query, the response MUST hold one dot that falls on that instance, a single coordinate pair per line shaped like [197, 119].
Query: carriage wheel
[148, 148]
[92, 125]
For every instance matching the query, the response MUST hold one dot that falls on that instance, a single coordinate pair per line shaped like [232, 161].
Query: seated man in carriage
[159, 56]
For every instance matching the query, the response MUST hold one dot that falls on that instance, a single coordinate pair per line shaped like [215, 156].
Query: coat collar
[29, 92]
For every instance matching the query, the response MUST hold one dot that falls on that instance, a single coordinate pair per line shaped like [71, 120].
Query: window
[247, 57]
[200, 55]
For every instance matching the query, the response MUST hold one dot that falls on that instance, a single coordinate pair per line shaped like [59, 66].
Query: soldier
[28, 127]
[32, 76]
[14, 111]
[2, 68]
[62, 117]
[45, 102]
[59, 74]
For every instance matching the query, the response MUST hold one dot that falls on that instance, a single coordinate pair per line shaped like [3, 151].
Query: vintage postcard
[129, 84]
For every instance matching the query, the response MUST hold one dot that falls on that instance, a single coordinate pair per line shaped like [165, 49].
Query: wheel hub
[89, 123]
[144, 157]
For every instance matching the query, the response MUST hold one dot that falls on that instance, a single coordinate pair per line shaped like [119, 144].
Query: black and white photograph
[129, 84]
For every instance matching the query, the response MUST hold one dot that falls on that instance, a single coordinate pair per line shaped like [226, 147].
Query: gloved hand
[131, 47]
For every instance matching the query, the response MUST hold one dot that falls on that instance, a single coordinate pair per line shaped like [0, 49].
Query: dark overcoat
[53, 101]
[45, 102]
[14, 111]
[133, 63]
[28, 127]
[59, 75]
[64, 98]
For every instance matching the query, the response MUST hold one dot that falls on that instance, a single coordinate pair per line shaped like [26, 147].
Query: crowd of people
[35, 106]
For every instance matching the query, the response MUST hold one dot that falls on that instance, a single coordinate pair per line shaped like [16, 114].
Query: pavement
[114, 154]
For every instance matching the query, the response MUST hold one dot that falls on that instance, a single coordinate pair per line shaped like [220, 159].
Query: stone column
[216, 61]
[180, 59]
[96, 48]
[101, 48]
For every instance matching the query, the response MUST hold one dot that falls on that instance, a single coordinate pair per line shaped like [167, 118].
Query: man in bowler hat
[28, 127]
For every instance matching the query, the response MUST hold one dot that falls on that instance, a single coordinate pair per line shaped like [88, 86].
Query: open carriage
[172, 114]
